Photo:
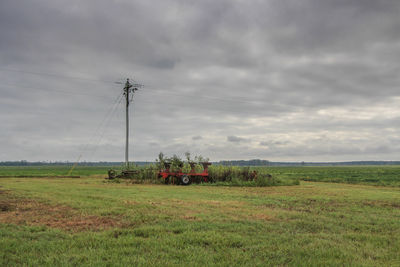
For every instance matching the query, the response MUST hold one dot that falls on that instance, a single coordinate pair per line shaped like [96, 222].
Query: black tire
[111, 174]
[186, 180]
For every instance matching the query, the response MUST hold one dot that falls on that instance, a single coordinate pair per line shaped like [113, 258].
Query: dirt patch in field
[196, 210]
[190, 218]
[382, 204]
[21, 211]
[261, 216]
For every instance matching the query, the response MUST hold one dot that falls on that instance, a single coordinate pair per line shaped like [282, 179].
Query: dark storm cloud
[284, 80]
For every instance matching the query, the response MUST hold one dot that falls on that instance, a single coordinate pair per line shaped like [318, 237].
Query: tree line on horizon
[248, 163]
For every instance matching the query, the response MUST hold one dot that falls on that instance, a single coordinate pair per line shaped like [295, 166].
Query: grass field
[370, 175]
[48, 170]
[86, 221]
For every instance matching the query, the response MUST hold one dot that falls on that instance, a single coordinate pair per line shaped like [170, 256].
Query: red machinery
[180, 177]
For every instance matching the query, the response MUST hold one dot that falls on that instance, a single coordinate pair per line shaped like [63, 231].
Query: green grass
[313, 224]
[371, 175]
[56, 170]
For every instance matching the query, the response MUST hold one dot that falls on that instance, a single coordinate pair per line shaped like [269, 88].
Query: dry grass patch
[21, 211]
[197, 210]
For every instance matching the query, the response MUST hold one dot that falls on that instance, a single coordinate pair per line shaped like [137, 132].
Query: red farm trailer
[179, 177]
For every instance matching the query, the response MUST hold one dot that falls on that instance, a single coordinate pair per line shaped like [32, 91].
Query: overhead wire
[105, 119]
[224, 99]
[116, 102]
[109, 114]
[148, 88]
[162, 102]
[55, 75]
[167, 103]
[52, 90]
[107, 123]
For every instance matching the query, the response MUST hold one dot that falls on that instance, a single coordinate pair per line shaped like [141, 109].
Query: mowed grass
[54, 170]
[47, 221]
[370, 175]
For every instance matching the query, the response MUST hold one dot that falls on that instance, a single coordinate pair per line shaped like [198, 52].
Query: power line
[152, 91]
[214, 108]
[103, 124]
[162, 102]
[107, 122]
[95, 148]
[224, 99]
[52, 90]
[56, 75]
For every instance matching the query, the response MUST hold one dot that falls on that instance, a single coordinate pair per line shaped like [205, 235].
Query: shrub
[218, 174]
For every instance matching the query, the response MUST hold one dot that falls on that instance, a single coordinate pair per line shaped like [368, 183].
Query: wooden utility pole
[129, 88]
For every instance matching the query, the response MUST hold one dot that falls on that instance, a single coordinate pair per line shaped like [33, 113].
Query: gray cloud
[197, 137]
[287, 80]
[236, 139]
[273, 143]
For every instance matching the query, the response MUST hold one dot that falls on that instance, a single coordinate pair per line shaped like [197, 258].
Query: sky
[290, 80]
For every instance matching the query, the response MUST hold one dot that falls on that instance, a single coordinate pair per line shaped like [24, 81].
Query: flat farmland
[88, 221]
[49, 170]
[369, 175]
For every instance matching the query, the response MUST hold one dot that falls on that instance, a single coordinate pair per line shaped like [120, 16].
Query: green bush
[218, 174]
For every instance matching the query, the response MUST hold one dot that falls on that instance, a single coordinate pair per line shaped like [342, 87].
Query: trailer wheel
[166, 180]
[111, 174]
[185, 180]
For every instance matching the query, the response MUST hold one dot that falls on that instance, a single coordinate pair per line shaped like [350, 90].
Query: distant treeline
[253, 162]
[258, 162]
[67, 163]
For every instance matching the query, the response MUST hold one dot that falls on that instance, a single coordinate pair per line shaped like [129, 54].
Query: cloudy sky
[290, 80]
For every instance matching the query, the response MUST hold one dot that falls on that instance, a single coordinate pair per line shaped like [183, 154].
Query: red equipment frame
[179, 175]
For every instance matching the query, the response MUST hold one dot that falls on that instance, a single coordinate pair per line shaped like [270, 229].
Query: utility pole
[129, 88]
